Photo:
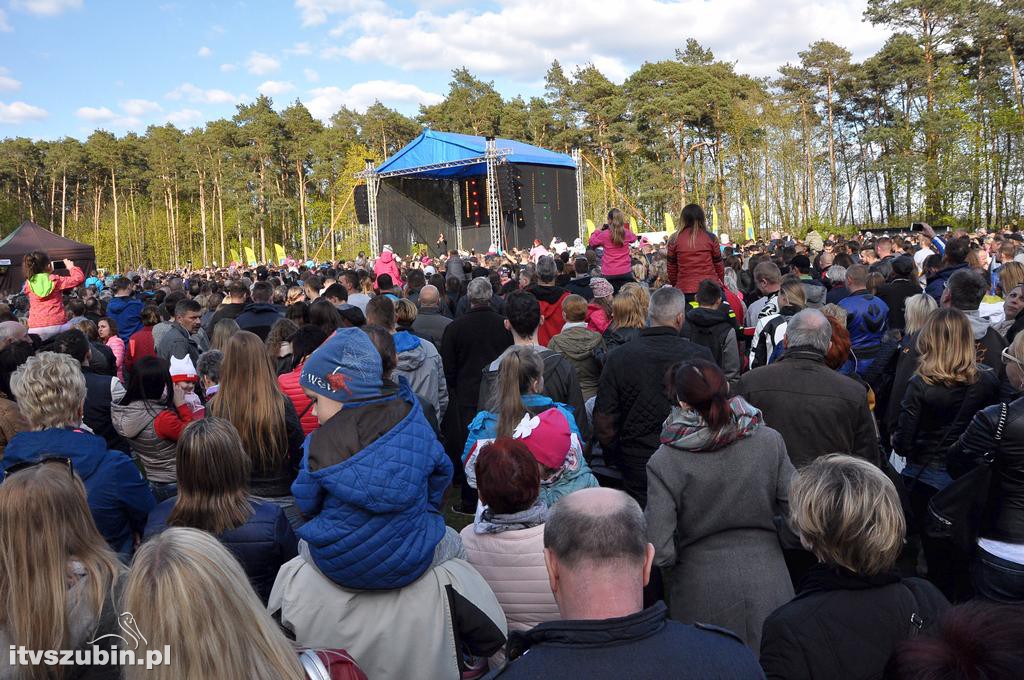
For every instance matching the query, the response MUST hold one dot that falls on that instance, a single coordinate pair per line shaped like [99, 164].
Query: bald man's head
[429, 296]
[597, 525]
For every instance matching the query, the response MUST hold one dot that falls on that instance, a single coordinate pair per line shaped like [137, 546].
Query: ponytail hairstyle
[36, 262]
[702, 385]
[521, 367]
[617, 225]
[693, 219]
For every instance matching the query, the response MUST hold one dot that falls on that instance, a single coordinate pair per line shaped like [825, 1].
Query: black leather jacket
[1004, 519]
[932, 417]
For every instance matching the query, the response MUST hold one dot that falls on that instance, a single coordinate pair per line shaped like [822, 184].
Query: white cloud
[48, 8]
[228, 68]
[197, 94]
[5, 26]
[184, 117]
[7, 83]
[300, 49]
[204, 52]
[273, 88]
[261, 64]
[139, 107]
[324, 102]
[19, 112]
[520, 38]
[311, 75]
[315, 12]
[107, 117]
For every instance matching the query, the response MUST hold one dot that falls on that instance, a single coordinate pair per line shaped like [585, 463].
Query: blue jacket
[120, 499]
[867, 318]
[374, 517]
[485, 424]
[262, 544]
[126, 312]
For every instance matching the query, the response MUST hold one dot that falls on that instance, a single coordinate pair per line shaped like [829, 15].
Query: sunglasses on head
[25, 465]
[1007, 357]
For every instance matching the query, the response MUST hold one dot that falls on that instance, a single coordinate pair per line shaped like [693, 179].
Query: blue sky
[68, 67]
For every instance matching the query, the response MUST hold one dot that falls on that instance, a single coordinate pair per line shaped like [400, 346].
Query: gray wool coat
[710, 516]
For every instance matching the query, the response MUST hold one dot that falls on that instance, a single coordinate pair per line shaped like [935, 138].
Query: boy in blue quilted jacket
[373, 475]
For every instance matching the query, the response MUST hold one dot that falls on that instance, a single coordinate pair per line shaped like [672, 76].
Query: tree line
[930, 127]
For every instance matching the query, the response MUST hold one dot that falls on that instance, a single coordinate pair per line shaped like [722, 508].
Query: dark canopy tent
[30, 236]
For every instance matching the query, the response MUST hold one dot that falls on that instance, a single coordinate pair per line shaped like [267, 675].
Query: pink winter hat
[547, 436]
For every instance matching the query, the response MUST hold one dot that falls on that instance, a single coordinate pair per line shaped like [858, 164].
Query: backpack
[707, 336]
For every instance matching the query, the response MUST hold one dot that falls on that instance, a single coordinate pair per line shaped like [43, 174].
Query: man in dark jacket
[260, 315]
[560, 380]
[550, 298]
[709, 325]
[430, 322]
[468, 345]
[954, 259]
[580, 284]
[179, 340]
[816, 410]
[964, 291]
[631, 402]
[598, 561]
[238, 293]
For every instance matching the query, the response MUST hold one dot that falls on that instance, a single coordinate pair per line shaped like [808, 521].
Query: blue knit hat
[346, 368]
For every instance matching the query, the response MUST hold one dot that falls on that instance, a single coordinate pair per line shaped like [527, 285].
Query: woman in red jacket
[694, 254]
[304, 341]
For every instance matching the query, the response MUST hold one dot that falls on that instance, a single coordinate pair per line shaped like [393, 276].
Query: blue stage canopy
[433, 148]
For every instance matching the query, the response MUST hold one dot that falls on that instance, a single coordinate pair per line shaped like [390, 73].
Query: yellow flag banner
[250, 256]
[714, 220]
[234, 256]
[279, 253]
[748, 223]
[670, 224]
[590, 227]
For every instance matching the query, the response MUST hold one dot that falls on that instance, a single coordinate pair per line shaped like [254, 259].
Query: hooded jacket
[45, 299]
[371, 482]
[127, 312]
[581, 286]
[586, 350]
[485, 425]
[420, 363]
[714, 329]
[386, 264]
[289, 384]
[937, 281]
[551, 319]
[118, 497]
[259, 318]
[423, 630]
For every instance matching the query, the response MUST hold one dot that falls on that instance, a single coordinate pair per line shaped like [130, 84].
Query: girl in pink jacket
[46, 316]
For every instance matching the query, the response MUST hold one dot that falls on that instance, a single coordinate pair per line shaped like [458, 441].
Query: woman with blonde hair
[941, 398]
[50, 391]
[853, 607]
[222, 332]
[213, 495]
[57, 574]
[268, 426]
[629, 315]
[188, 592]
[919, 307]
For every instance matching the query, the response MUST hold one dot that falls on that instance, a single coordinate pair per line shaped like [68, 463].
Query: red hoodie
[551, 317]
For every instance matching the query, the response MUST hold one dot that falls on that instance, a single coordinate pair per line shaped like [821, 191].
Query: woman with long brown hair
[694, 253]
[57, 573]
[213, 495]
[267, 424]
[614, 237]
[943, 395]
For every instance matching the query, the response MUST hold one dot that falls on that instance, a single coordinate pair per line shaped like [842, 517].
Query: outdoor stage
[477, 191]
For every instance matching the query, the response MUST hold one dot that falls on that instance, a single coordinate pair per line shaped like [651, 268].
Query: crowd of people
[789, 458]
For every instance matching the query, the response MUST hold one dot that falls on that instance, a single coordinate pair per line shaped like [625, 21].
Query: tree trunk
[63, 200]
[834, 198]
[301, 176]
[202, 210]
[117, 224]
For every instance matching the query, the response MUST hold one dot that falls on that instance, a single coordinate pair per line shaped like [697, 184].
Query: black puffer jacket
[631, 404]
[932, 417]
[1004, 520]
[842, 625]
